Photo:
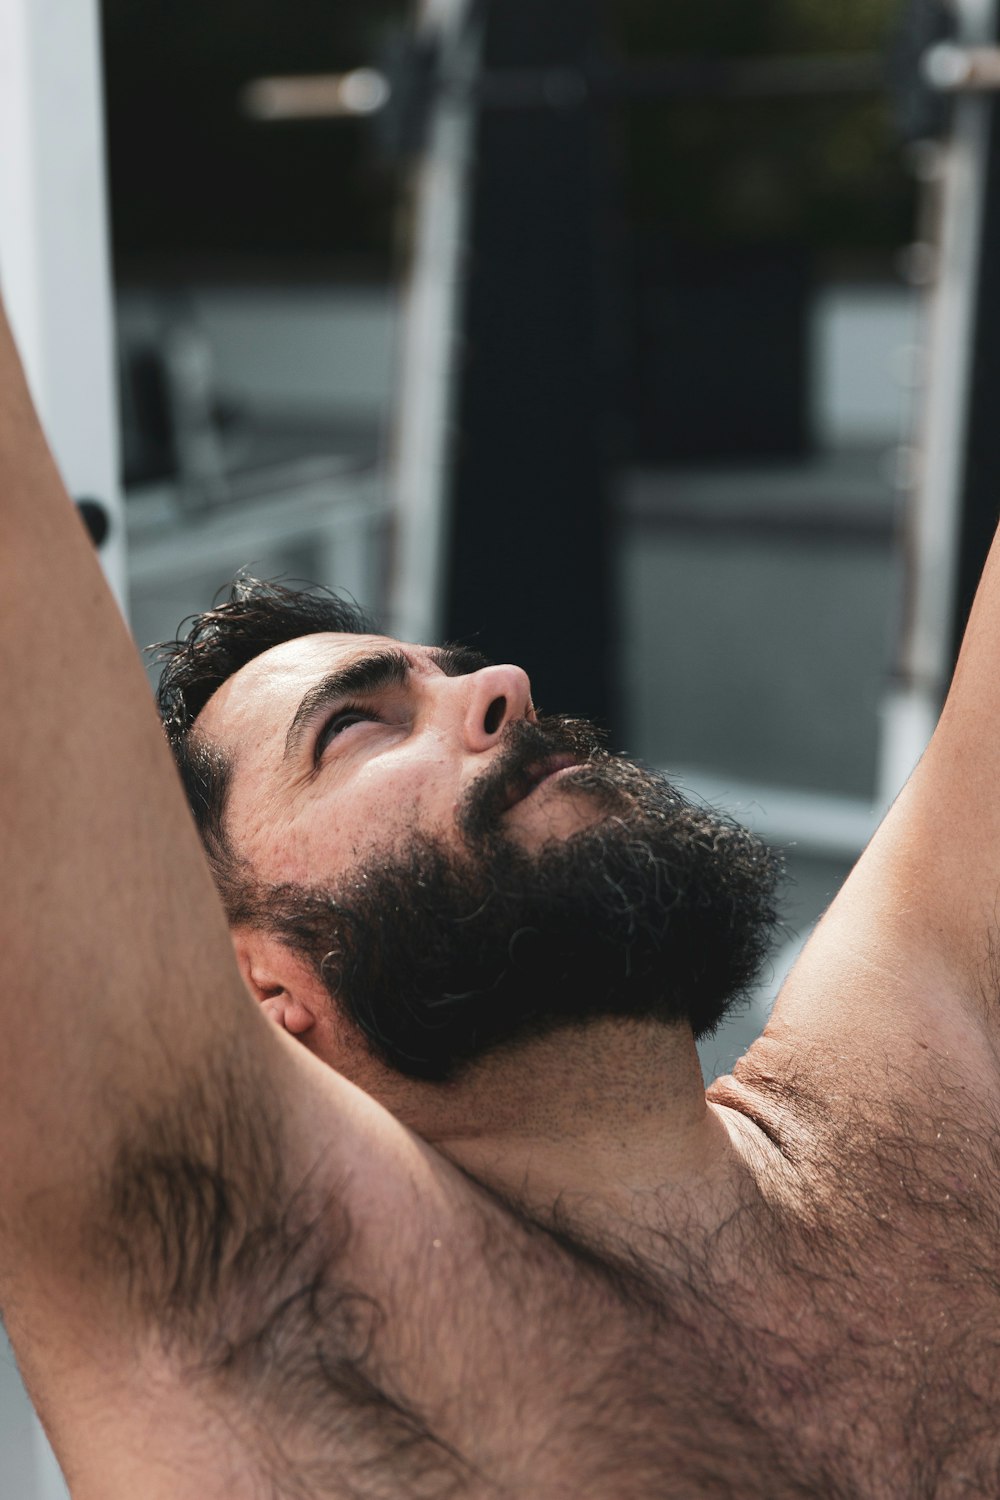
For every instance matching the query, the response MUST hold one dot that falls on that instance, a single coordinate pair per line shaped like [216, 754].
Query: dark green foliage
[825, 172]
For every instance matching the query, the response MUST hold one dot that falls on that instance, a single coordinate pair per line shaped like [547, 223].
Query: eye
[344, 718]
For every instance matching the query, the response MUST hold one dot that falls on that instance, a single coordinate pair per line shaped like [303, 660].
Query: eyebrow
[373, 673]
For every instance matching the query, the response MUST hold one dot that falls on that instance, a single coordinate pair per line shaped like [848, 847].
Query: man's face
[463, 874]
[345, 743]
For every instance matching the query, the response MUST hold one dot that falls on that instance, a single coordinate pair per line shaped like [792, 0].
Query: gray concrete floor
[758, 614]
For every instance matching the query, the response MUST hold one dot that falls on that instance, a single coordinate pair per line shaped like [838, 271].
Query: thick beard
[439, 955]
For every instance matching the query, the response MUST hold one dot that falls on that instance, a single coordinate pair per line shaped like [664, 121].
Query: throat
[594, 1118]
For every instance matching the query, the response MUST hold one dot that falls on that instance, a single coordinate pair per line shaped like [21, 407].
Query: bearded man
[448, 1211]
[461, 874]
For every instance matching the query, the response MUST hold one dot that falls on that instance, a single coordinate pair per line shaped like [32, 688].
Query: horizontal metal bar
[164, 544]
[951, 69]
[317, 96]
[366, 91]
[682, 78]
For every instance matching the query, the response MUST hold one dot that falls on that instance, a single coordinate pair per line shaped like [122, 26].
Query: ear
[280, 983]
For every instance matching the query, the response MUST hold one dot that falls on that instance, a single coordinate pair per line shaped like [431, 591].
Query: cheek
[388, 802]
[334, 829]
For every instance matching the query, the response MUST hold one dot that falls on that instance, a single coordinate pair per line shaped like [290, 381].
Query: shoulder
[905, 1123]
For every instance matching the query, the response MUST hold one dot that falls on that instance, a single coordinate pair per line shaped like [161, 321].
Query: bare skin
[238, 1258]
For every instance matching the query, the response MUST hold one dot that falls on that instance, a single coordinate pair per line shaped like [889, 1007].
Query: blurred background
[660, 349]
[652, 347]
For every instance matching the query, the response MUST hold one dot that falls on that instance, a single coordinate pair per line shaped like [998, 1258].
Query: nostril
[494, 715]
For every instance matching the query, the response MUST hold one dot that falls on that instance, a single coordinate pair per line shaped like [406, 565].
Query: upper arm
[186, 1195]
[246, 1253]
[119, 976]
[906, 957]
[157, 1166]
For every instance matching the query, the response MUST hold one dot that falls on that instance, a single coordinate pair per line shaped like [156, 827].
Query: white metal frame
[54, 270]
[425, 412]
[912, 705]
[54, 262]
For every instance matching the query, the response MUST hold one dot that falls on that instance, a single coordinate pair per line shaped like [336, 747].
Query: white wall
[54, 261]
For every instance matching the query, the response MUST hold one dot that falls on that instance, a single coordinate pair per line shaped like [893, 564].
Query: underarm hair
[238, 1274]
[218, 1250]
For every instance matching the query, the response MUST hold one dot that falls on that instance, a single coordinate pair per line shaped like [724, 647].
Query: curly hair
[256, 615]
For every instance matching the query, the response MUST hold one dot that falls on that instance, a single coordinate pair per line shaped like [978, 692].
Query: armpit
[238, 1277]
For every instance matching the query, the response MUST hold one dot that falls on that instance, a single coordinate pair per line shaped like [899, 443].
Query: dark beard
[661, 910]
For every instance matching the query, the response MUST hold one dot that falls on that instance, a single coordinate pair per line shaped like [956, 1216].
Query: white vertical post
[54, 262]
[54, 270]
[425, 406]
[911, 707]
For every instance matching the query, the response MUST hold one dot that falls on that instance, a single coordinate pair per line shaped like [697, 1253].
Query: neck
[598, 1114]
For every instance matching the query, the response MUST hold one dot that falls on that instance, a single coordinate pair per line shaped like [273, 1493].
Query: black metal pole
[980, 505]
[529, 577]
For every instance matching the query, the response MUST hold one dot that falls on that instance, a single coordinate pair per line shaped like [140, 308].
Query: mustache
[525, 746]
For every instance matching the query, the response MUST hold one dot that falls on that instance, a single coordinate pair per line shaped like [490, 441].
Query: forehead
[258, 702]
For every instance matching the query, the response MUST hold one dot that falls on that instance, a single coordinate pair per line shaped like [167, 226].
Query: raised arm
[908, 955]
[119, 969]
[173, 1171]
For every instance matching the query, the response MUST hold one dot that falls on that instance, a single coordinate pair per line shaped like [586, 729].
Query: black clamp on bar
[95, 517]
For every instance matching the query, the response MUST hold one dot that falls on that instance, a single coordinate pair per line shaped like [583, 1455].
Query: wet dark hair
[255, 615]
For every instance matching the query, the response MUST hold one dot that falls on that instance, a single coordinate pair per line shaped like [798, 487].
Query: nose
[497, 695]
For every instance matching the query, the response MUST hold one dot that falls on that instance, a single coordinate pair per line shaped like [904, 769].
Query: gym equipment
[952, 513]
[943, 67]
[53, 247]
